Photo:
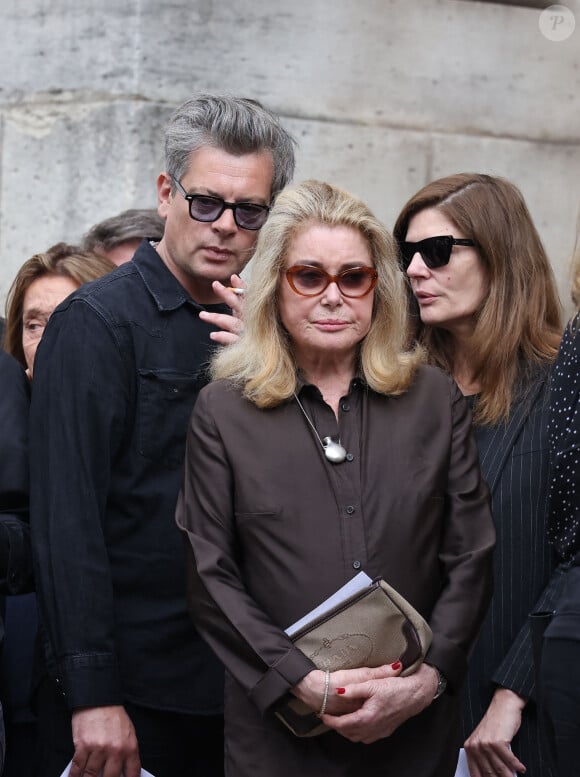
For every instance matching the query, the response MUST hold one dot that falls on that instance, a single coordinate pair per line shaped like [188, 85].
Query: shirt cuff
[280, 678]
[89, 680]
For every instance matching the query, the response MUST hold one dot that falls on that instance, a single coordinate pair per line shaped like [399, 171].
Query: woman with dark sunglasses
[324, 448]
[487, 311]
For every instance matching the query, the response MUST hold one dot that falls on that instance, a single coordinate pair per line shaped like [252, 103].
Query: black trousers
[170, 744]
[21, 750]
[560, 698]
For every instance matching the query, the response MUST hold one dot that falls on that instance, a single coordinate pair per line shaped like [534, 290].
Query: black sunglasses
[435, 251]
[204, 207]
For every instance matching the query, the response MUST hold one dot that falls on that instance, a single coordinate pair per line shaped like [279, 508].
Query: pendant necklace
[333, 451]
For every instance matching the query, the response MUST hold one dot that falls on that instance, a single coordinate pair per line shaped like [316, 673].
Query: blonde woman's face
[450, 296]
[41, 298]
[328, 324]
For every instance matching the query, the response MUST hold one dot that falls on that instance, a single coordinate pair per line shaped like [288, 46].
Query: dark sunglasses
[309, 281]
[204, 207]
[435, 251]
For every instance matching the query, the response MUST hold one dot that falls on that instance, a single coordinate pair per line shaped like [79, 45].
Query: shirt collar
[163, 286]
[358, 382]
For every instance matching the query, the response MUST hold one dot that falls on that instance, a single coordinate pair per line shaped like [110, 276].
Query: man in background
[118, 237]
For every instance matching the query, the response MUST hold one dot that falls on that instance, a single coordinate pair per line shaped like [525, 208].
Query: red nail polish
[341, 690]
[396, 665]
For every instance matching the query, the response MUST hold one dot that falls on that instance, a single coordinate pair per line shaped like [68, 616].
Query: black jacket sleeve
[15, 551]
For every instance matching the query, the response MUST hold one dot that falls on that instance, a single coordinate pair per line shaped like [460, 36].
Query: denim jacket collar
[160, 282]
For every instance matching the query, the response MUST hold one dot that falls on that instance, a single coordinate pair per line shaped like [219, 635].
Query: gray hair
[238, 125]
[133, 224]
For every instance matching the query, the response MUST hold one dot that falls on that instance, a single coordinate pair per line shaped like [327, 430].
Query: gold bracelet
[325, 697]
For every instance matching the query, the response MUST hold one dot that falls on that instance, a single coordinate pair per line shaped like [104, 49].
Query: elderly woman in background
[41, 284]
[560, 664]
[490, 316]
[324, 447]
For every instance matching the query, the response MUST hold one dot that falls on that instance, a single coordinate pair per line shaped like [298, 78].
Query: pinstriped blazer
[515, 462]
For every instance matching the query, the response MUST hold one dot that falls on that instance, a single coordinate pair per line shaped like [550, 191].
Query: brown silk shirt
[275, 528]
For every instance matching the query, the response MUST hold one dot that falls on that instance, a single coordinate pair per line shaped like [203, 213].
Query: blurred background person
[489, 314]
[41, 284]
[361, 458]
[118, 237]
[15, 552]
[560, 662]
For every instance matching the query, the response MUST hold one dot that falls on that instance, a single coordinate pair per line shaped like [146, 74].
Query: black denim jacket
[116, 376]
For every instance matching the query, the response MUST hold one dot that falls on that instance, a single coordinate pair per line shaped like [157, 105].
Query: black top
[515, 463]
[116, 376]
[15, 555]
[564, 531]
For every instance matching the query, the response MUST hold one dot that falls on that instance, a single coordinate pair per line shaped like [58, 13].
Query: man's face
[197, 252]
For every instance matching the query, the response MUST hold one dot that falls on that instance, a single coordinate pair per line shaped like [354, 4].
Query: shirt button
[356, 564]
[350, 510]
[349, 457]
[345, 406]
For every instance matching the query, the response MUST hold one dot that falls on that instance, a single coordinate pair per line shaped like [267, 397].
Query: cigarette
[236, 290]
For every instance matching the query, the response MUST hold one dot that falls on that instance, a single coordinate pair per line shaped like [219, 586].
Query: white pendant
[333, 451]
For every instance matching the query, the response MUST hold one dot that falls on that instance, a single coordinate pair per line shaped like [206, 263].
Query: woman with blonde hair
[41, 284]
[487, 311]
[325, 447]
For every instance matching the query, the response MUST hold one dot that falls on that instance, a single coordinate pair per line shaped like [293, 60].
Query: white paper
[462, 768]
[356, 585]
[67, 770]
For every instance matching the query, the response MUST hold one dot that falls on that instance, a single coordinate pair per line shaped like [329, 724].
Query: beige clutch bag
[374, 627]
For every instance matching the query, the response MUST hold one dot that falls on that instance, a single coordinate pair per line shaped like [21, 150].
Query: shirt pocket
[166, 399]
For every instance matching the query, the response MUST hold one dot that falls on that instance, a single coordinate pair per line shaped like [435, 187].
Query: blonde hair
[519, 322]
[61, 259]
[262, 361]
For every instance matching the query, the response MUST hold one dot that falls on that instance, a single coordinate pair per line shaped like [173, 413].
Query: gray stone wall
[382, 95]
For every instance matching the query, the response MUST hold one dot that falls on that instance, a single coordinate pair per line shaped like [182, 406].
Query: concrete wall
[382, 95]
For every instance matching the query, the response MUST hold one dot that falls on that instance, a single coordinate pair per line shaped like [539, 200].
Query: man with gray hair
[116, 376]
[118, 237]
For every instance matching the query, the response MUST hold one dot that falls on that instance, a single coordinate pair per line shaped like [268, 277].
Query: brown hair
[519, 324]
[61, 259]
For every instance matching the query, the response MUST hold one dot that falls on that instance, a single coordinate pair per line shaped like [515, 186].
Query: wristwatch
[441, 682]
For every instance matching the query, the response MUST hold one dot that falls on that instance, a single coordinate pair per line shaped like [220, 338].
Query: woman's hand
[230, 326]
[488, 748]
[373, 708]
[310, 689]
